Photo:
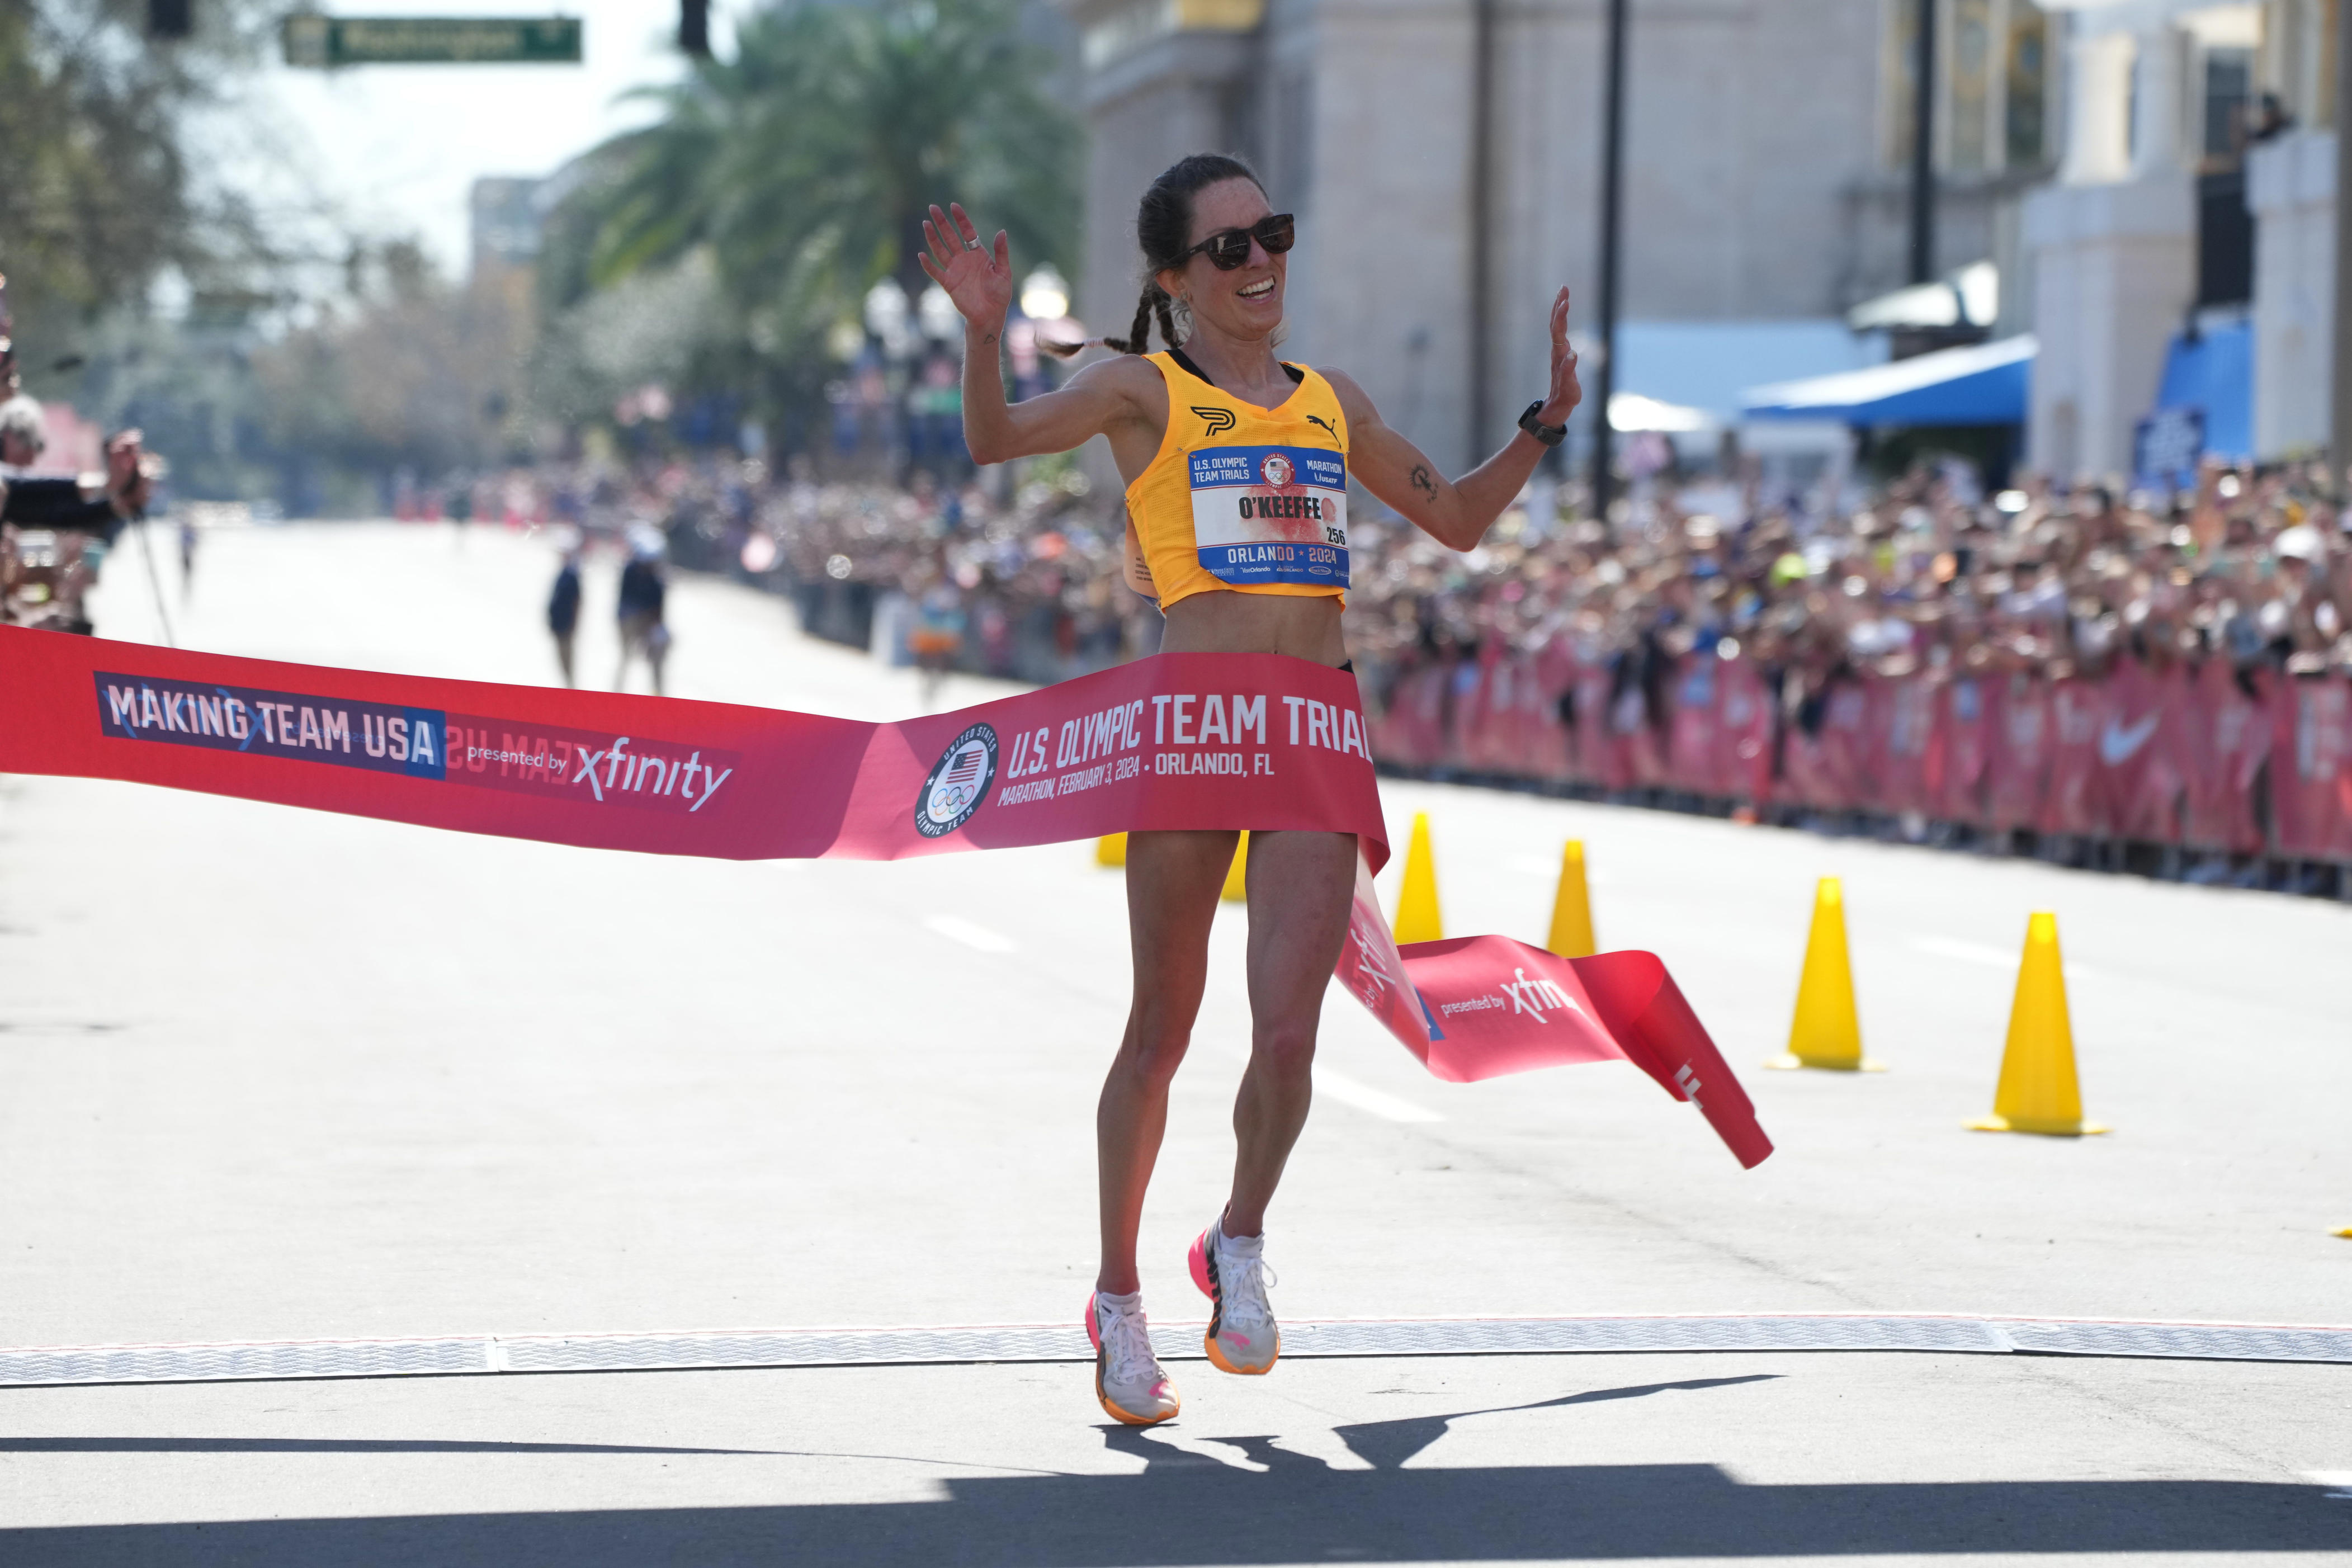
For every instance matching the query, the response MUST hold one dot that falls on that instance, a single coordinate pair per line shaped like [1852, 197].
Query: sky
[394, 149]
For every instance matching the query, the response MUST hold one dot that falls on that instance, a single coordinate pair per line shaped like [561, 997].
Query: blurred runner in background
[643, 590]
[187, 555]
[563, 605]
[937, 638]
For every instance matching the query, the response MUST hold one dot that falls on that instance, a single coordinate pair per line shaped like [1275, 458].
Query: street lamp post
[1923, 149]
[1613, 167]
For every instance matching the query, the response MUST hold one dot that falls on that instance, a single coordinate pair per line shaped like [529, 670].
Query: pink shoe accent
[1094, 1329]
[1199, 1259]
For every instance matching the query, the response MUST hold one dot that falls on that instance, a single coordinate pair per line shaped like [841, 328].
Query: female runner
[1213, 251]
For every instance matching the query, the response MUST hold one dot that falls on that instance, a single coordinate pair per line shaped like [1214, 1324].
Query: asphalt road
[266, 1074]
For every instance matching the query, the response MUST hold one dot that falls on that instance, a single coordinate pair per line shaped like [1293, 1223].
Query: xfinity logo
[1532, 996]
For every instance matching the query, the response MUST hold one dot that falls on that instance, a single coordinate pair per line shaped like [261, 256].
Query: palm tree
[805, 161]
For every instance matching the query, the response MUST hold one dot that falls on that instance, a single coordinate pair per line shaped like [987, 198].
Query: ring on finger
[973, 244]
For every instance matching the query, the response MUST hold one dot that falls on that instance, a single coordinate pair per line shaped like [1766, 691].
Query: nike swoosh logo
[2117, 746]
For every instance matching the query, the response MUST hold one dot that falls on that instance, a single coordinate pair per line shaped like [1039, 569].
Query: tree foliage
[99, 192]
[801, 167]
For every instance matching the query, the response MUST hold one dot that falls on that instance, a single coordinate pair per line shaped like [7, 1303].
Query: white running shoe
[1127, 1377]
[1231, 1273]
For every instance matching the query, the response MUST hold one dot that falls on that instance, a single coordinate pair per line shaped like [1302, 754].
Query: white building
[2131, 242]
[1767, 148]
[2101, 153]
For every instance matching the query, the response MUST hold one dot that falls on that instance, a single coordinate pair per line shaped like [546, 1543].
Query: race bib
[1271, 514]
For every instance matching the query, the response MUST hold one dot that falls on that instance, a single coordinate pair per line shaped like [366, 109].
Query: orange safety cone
[1826, 1032]
[1236, 888]
[1571, 908]
[1417, 918]
[2038, 1091]
[1110, 849]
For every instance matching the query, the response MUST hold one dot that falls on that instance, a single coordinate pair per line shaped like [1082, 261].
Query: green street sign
[322, 42]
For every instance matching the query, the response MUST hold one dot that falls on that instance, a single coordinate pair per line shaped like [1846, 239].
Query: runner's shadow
[1163, 1458]
[1211, 1515]
[1387, 1445]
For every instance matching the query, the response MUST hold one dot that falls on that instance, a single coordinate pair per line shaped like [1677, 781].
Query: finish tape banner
[1176, 741]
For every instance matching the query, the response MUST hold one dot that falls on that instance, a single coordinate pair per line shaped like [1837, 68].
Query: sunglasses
[1229, 249]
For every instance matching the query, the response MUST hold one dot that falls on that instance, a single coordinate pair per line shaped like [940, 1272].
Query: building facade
[2196, 194]
[1444, 157]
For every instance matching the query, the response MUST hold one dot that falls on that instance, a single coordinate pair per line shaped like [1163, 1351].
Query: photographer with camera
[53, 528]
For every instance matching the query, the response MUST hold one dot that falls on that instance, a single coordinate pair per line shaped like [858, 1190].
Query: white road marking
[957, 929]
[1977, 953]
[1363, 1097]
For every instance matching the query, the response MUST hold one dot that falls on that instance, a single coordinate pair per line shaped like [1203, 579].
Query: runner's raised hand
[978, 277]
[1567, 392]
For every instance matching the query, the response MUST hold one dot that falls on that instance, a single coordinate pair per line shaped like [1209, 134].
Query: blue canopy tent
[2213, 372]
[1984, 384]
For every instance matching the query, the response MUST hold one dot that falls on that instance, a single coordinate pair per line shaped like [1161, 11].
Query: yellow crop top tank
[1241, 497]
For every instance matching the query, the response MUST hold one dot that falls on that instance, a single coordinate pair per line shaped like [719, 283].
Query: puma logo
[1218, 420]
[1318, 419]
[2117, 742]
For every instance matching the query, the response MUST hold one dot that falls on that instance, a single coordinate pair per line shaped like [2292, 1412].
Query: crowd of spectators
[1930, 573]
[1837, 589]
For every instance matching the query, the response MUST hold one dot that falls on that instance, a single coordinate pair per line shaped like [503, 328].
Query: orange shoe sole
[1124, 1417]
[1197, 1260]
[1094, 1337]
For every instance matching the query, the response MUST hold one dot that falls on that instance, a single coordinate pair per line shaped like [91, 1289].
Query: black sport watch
[1550, 434]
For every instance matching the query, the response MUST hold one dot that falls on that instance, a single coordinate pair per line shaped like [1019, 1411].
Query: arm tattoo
[1421, 482]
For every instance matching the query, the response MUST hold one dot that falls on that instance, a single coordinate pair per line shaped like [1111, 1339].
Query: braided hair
[1163, 228]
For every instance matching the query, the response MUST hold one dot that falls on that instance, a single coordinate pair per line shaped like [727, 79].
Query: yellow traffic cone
[1571, 908]
[1417, 918]
[2038, 1091]
[1826, 1033]
[1110, 849]
[1236, 888]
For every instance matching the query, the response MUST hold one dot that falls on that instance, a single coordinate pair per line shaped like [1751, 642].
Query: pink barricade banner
[1596, 745]
[1548, 744]
[2309, 754]
[1693, 725]
[1412, 732]
[1175, 741]
[1744, 763]
[2227, 740]
[2071, 803]
[2021, 757]
[1482, 717]
[2138, 781]
[1908, 707]
[1959, 747]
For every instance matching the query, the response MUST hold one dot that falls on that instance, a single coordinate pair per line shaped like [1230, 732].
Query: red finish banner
[1175, 741]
